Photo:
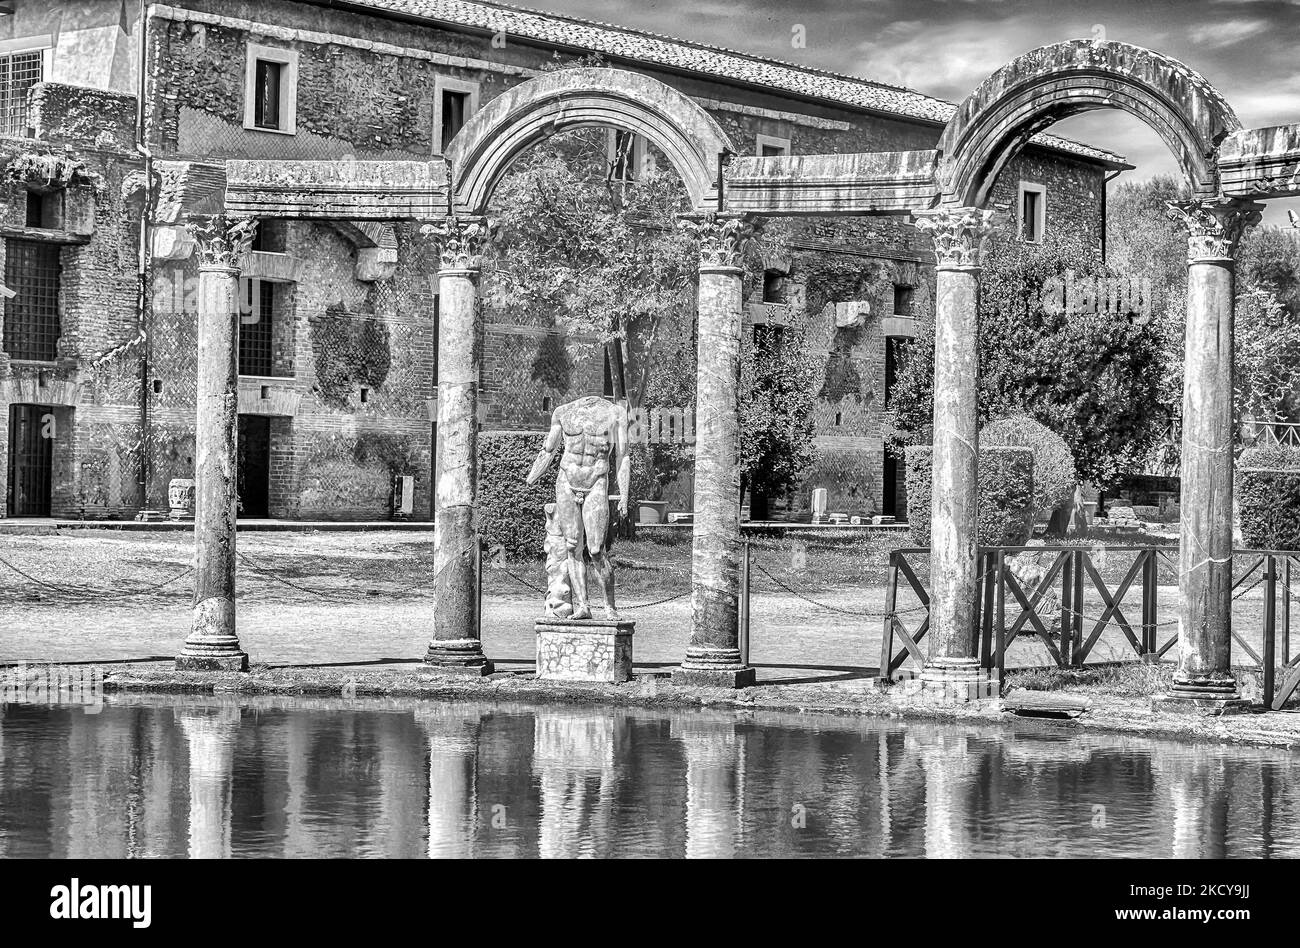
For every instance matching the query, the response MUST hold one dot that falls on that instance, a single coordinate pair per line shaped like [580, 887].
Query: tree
[1090, 376]
[778, 392]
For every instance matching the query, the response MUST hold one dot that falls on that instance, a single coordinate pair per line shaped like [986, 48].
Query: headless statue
[590, 437]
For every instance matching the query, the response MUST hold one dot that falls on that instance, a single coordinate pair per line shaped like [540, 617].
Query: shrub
[1054, 477]
[1006, 495]
[1268, 494]
[510, 512]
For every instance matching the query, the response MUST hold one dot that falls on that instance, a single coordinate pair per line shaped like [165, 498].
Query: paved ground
[318, 598]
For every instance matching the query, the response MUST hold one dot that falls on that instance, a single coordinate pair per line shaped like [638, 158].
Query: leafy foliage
[1054, 477]
[1090, 377]
[778, 391]
[1268, 496]
[1006, 495]
[510, 512]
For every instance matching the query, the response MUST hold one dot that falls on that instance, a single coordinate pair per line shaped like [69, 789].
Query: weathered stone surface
[1205, 544]
[1077, 76]
[715, 550]
[347, 190]
[213, 643]
[584, 650]
[959, 235]
[1261, 162]
[832, 184]
[568, 98]
[456, 580]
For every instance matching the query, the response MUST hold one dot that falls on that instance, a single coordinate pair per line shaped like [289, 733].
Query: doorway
[254, 478]
[31, 460]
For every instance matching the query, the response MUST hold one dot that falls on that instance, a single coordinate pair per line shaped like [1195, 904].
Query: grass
[1128, 680]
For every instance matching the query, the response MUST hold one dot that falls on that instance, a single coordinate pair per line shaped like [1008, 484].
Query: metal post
[986, 611]
[1270, 627]
[478, 580]
[1067, 608]
[744, 603]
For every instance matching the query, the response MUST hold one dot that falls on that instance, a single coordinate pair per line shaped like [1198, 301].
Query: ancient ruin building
[338, 375]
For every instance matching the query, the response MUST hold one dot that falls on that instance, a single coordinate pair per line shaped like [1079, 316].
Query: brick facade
[368, 87]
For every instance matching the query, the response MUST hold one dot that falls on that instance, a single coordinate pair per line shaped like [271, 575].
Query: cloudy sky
[1249, 49]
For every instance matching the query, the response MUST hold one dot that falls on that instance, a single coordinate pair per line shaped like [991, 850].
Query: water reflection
[176, 777]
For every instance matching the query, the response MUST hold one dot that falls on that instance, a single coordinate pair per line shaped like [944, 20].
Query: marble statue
[589, 436]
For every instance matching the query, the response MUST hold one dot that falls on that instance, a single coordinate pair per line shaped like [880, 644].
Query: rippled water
[180, 777]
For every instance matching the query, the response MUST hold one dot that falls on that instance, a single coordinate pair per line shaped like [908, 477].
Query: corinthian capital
[1215, 227]
[221, 241]
[723, 239]
[461, 240]
[960, 234]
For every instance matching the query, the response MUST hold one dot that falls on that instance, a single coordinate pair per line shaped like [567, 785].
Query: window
[455, 102]
[271, 237]
[902, 300]
[627, 155]
[774, 286]
[768, 335]
[271, 90]
[1033, 212]
[255, 355]
[18, 73]
[45, 210]
[893, 350]
[769, 146]
[32, 315]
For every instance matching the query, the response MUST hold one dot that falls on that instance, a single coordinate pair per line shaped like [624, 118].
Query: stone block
[733, 678]
[584, 650]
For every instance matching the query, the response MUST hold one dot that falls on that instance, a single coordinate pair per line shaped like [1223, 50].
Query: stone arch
[573, 98]
[1054, 82]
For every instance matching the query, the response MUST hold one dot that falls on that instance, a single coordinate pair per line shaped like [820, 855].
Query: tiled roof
[625, 43]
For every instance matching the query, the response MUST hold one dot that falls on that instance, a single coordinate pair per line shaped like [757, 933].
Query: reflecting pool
[174, 777]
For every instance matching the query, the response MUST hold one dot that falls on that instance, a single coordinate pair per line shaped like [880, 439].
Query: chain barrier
[538, 589]
[331, 596]
[89, 593]
[828, 607]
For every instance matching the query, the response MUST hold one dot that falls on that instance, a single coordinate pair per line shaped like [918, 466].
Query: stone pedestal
[584, 650]
[948, 682]
[1184, 702]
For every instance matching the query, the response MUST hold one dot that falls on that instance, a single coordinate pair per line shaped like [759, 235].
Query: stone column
[456, 648]
[213, 644]
[713, 656]
[1205, 535]
[960, 237]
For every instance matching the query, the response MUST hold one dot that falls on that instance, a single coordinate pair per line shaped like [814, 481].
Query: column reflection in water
[574, 754]
[949, 765]
[210, 735]
[715, 784]
[453, 735]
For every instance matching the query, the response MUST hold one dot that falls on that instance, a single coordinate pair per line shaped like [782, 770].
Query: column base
[714, 668]
[949, 681]
[1202, 696]
[460, 657]
[212, 662]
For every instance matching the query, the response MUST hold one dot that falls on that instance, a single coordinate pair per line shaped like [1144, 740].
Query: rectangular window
[902, 300]
[271, 237]
[774, 286]
[1033, 207]
[18, 73]
[769, 335]
[32, 315]
[255, 325]
[455, 102]
[893, 349]
[769, 146]
[270, 94]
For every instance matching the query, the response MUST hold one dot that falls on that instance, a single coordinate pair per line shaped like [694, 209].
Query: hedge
[1268, 497]
[1054, 475]
[510, 512]
[1006, 495]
